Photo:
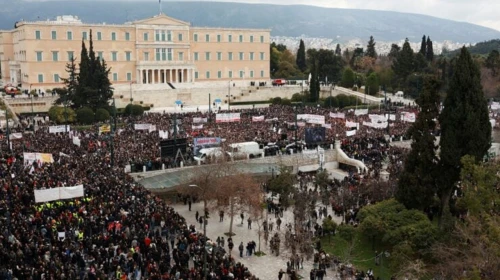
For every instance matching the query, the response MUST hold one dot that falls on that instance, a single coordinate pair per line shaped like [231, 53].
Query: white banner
[227, 117]
[377, 118]
[327, 125]
[351, 124]
[197, 126]
[76, 141]
[58, 193]
[493, 122]
[408, 117]
[58, 128]
[152, 128]
[359, 112]
[337, 115]
[316, 119]
[301, 124]
[142, 126]
[390, 117]
[271, 120]
[350, 133]
[29, 158]
[200, 120]
[163, 134]
[310, 153]
[380, 125]
[16, 136]
[258, 119]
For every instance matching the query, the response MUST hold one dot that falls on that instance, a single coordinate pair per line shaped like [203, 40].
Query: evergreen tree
[430, 50]
[393, 53]
[348, 78]
[301, 56]
[493, 62]
[372, 84]
[338, 50]
[465, 125]
[423, 46]
[417, 184]
[314, 86]
[370, 49]
[71, 84]
[403, 65]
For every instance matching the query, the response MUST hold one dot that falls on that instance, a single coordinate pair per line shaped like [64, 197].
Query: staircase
[170, 85]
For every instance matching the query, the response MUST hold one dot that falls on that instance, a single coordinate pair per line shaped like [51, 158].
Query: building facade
[156, 50]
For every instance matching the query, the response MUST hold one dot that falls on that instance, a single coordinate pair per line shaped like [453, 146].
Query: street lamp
[204, 232]
[229, 95]
[131, 91]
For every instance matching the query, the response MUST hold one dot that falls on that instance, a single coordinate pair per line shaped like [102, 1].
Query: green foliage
[347, 232]
[429, 50]
[329, 225]
[423, 46]
[343, 100]
[314, 86]
[417, 183]
[338, 50]
[301, 57]
[370, 48]
[60, 114]
[298, 97]
[348, 78]
[85, 115]
[391, 223]
[481, 48]
[493, 62]
[328, 64]
[101, 115]
[356, 55]
[134, 110]
[372, 84]
[330, 102]
[283, 184]
[403, 65]
[394, 52]
[465, 125]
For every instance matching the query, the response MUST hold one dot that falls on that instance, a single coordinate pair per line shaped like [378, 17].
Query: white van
[245, 150]
[205, 153]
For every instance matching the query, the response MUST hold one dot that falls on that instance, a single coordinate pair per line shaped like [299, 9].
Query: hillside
[294, 20]
[481, 48]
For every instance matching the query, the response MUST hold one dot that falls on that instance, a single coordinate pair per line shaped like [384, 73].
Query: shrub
[85, 115]
[101, 115]
[59, 114]
[134, 110]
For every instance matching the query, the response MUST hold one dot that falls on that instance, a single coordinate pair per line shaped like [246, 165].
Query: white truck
[245, 150]
[204, 154]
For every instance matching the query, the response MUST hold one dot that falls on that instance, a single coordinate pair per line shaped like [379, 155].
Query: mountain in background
[481, 48]
[341, 25]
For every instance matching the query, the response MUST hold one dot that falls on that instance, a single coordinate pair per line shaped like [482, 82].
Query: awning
[178, 102]
[217, 100]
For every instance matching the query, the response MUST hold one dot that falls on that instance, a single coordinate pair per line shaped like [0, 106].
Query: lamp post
[113, 129]
[7, 127]
[131, 92]
[332, 87]
[204, 232]
[229, 96]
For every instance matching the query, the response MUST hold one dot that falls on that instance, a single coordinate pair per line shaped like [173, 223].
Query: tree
[71, 84]
[357, 54]
[372, 84]
[283, 185]
[59, 114]
[493, 62]
[417, 184]
[403, 65]
[329, 65]
[338, 50]
[85, 115]
[348, 78]
[465, 125]
[430, 50]
[301, 56]
[287, 67]
[394, 52]
[101, 115]
[314, 86]
[423, 47]
[329, 227]
[370, 48]
[420, 63]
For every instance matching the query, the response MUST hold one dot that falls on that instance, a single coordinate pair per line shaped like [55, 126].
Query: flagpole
[159, 1]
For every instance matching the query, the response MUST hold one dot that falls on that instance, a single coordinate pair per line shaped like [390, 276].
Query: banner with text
[29, 158]
[349, 133]
[360, 112]
[337, 115]
[200, 126]
[206, 141]
[227, 117]
[58, 193]
[163, 134]
[104, 128]
[258, 119]
[316, 119]
[200, 120]
[59, 128]
[142, 126]
[377, 125]
[408, 117]
[351, 124]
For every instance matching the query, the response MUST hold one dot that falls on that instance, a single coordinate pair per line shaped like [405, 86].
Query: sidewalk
[264, 267]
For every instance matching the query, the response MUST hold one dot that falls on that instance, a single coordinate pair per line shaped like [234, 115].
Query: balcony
[166, 63]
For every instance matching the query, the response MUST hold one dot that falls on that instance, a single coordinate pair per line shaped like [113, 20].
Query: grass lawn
[362, 256]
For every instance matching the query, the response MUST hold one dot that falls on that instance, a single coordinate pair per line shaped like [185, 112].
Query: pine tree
[493, 62]
[417, 184]
[301, 56]
[423, 46]
[393, 53]
[429, 50]
[404, 63]
[71, 83]
[370, 48]
[465, 125]
[338, 50]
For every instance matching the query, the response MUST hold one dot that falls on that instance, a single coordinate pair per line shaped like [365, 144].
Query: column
[175, 75]
[181, 75]
[164, 76]
[189, 75]
[154, 76]
[147, 76]
[170, 75]
[139, 77]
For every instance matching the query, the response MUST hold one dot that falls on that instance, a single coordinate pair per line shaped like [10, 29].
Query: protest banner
[309, 118]
[258, 119]
[197, 127]
[337, 115]
[142, 126]
[351, 124]
[76, 141]
[200, 120]
[349, 133]
[29, 158]
[104, 128]
[59, 128]
[227, 117]
[58, 193]
[359, 112]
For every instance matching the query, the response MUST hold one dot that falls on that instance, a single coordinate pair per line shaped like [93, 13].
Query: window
[127, 36]
[241, 38]
[251, 73]
[146, 56]
[195, 56]
[163, 54]
[241, 56]
[261, 56]
[99, 56]
[113, 36]
[181, 56]
[169, 54]
[70, 56]
[56, 78]
[251, 55]
[207, 75]
[158, 54]
[242, 74]
[145, 36]
[230, 74]
[169, 36]
[229, 56]
[262, 73]
[179, 37]
[163, 35]
[219, 74]
[229, 38]
[218, 38]
[128, 56]
[38, 35]
[99, 36]
[251, 38]
[113, 56]
[129, 77]
[207, 38]
[157, 35]
[55, 56]
[261, 38]
[207, 56]
[39, 56]
[69, 35]
[84, 35]
[195, 37]
[196, 75]
[115, 77]
[219, 56]
[54, 35]
[40, 78]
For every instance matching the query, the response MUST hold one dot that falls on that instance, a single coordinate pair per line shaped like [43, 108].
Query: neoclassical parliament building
[156, 50]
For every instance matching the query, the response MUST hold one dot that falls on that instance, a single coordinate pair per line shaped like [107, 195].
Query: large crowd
[119, 230]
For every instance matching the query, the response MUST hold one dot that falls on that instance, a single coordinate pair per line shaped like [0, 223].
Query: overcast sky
[481, 12]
